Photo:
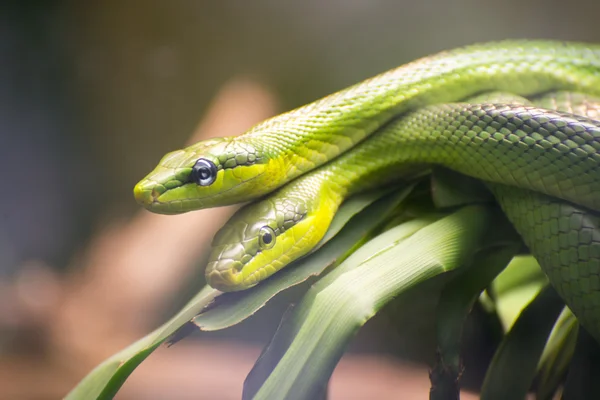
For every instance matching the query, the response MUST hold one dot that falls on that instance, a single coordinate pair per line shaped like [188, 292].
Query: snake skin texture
[548, 160]
[291, 144]
[550, 152]
[565, 239]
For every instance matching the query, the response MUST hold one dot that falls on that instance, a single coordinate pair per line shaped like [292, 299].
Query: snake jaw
[144, 196]
[147, 193]
[225, 279]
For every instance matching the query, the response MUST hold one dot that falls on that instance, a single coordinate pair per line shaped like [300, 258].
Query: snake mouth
[224, 277]
[144, 196]
[175, 196]
[148, 195]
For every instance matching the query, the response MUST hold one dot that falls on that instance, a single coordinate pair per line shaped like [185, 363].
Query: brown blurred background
[92, 94]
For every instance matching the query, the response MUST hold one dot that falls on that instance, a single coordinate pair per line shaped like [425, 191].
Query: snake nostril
[144, 195]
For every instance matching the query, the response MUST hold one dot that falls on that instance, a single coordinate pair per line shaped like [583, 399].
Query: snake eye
[266, 237]
[204, 172]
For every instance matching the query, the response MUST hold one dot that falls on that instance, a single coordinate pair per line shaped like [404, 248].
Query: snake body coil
[278, 150]
[515, 145]
[543, 166]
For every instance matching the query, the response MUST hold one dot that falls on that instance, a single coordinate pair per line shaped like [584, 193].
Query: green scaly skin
[286, 146]
[560, 153]
[298, 215]
[505, 144]
[565, 238]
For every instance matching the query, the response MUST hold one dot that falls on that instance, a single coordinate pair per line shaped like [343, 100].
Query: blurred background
[92, 94]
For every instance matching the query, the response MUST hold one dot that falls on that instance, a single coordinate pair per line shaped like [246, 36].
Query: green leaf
[106, 379]
[582, 381]
[455, 304]
[232, 308]
[451, 189]
[304, 351]
[521, 271]
[514, 365]
[515, 287]
[557, 355]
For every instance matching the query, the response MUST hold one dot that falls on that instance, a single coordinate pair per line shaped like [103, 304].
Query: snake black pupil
[204, 172]
[267, 238]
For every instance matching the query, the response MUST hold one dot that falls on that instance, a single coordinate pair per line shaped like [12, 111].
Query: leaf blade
[312, 339]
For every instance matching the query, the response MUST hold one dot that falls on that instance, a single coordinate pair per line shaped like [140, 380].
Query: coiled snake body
[543, 166]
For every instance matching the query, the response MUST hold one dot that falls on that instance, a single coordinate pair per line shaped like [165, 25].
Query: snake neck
[375, 162]
[468, 139]
[305, 138]
[284, 147]
[328, 187]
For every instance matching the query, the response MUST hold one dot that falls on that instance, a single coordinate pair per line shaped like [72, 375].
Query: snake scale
[543, 166]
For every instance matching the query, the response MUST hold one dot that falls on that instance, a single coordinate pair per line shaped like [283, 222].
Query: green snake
[528, 154]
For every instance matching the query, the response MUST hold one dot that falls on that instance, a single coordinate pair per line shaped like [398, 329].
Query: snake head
[260, 239]
[210, 173]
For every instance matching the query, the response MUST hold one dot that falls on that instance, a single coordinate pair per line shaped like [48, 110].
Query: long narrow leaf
[232, 308]
[557, 355]
[455, 304]
[302, 355]
[286, 331]
[582, 381]
[515, 287]
[515, 363]
[105, 380]
[451, 189]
